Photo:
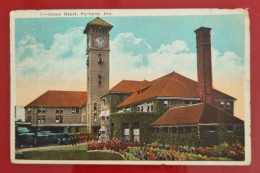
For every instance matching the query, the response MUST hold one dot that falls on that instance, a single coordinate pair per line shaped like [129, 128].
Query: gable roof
[54, 98]
[198, 114]
[170, 85]
[128, 86]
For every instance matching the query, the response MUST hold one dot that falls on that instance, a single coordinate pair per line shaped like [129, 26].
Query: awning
[102, 129]
[104, 113]
[107, 113]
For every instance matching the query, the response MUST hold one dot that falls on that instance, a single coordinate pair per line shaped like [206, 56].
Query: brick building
[184, 106]
[58, 111]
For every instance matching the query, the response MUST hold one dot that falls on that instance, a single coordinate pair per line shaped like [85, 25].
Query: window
[148, 108]
[59, 111]
[44, 110]
[95, 117]
[59, 119]
[28, 119]
[75, 110]
[165, 104]
[151, 108]
[142, 109]
[39, 110]
[180, 130]
[29, 110]
[212, 128]
[126, 132]
[230, 128]
[100, 59]
[228, 105]
[136, 132]
[174, 130]
[77, 129]
[103, 118]
[39, 120]
[187, 129]
[99, 80]
[107, 117]
[95, 106]
[186, 102]
[165, 129]
[222, 104]
[43, 119]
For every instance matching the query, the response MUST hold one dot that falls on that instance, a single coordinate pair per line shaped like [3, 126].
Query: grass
[69, 153]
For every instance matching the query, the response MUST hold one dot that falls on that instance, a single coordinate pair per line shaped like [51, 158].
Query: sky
[50, 53]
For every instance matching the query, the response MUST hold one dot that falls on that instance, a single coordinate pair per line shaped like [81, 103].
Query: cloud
[128, 45]
[175, 56]
[64, 60]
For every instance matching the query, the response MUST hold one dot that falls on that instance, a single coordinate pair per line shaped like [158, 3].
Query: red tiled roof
[60, 99]
[128, 86]
[202, 113]
[171, 85]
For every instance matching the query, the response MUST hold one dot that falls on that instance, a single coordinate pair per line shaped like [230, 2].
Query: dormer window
[222, 104]
[228, 105]
[166, 104]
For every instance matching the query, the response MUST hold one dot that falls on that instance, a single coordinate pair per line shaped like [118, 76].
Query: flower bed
[155, 151]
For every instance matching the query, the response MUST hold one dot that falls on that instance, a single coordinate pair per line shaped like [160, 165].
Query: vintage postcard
[164, 86]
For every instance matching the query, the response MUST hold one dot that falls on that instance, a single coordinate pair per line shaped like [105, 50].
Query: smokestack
[204, 64]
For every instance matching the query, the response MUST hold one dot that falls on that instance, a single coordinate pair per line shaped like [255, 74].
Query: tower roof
[98, 22]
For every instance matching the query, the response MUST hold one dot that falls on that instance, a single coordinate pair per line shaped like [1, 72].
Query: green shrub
[221, 151]
[195, 157]
[129, 156]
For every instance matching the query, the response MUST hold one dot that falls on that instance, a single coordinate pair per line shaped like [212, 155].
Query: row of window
[41, 119]
[58, 110]
[180, 130]
[225, 105]
[135, 132]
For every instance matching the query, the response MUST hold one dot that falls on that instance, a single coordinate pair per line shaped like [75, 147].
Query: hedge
[191, 136]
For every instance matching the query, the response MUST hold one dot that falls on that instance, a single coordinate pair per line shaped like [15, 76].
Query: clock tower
[97, 32]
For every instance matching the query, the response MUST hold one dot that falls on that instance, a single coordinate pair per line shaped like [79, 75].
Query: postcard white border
[129, 12]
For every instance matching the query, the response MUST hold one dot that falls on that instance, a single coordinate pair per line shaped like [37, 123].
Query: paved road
[47, 147]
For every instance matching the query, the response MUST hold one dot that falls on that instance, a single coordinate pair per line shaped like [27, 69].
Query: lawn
[69, 153]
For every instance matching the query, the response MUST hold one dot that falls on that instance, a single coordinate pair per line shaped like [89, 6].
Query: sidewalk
[47, 147]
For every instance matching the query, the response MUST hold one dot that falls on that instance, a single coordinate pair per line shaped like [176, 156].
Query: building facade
[58, 111]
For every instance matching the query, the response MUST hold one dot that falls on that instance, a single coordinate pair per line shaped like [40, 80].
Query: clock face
[100, 42]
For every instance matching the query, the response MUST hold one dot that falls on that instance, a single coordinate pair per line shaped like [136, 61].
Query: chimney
[204, 66]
